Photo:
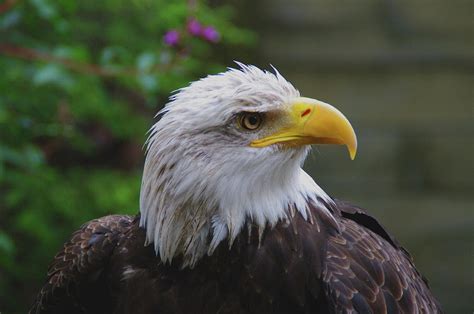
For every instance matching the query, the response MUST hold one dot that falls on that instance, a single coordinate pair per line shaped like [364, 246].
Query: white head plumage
[202, 182]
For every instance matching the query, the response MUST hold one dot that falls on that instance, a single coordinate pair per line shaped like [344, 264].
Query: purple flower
[194, 27]
[171, 38]
[209, 33]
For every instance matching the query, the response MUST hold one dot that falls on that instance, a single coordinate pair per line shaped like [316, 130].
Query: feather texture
[201, 178]
[295, 267]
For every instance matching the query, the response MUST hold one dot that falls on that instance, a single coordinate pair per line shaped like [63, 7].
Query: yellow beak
[313, 122]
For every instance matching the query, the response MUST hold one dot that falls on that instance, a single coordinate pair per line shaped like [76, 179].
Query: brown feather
[339, 265]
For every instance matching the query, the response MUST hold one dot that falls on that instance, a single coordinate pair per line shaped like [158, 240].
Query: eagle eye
[250, 120]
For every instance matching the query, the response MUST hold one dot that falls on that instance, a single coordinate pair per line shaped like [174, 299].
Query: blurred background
[80, 82]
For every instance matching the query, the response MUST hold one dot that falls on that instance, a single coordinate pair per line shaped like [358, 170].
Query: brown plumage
[299, 266]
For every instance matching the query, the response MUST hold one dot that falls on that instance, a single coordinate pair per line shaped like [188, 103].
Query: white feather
[200, 185]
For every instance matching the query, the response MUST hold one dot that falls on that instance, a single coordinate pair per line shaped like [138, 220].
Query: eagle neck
[190, 225]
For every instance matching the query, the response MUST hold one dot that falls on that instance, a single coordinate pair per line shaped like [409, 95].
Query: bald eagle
[229, 221]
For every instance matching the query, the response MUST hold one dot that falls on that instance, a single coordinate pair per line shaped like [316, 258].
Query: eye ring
[250, 120]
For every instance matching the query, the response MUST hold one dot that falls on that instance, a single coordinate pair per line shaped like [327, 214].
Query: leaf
[6, 244]
[53, 74]
[44, 8]
[148, 82]
[10, 19]
[145, 61]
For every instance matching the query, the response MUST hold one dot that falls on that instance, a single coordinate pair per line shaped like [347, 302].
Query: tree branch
[86, 68]
[81, 67]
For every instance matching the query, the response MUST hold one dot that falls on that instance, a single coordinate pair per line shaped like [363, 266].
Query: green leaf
[53, 74]
[10, 19]
[45, 9]
[6, 244]
[145, 61]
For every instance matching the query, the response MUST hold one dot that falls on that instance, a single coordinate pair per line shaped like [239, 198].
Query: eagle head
[227, 152]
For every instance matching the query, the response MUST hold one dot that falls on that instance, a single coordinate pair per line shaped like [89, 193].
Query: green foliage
[80, 82]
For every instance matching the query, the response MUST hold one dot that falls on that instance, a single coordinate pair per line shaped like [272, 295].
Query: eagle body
[229, 221]
[298, 266]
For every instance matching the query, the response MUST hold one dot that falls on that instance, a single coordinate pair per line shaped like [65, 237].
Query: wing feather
[82, 258]
[366, 273]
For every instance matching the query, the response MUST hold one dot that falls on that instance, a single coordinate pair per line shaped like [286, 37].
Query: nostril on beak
[306, 112]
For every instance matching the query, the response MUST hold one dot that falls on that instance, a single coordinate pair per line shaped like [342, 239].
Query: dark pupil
[253, 120]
